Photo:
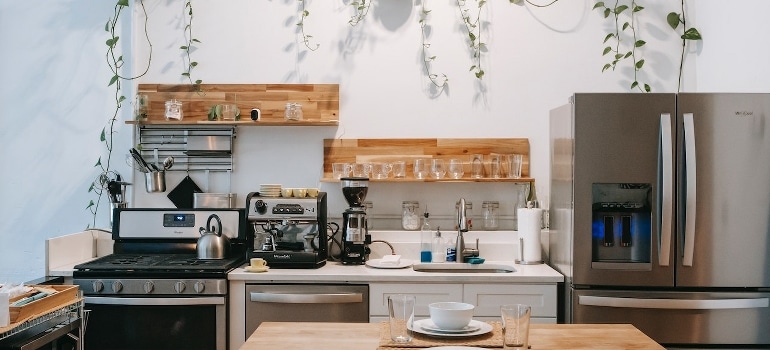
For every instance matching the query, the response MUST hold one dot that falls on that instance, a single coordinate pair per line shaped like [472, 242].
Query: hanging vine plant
[188, 47]
[674, 20]
[474, 28]
[614, 40]
[303, 14]
[361, 10]
[115, 62]
[439, 82]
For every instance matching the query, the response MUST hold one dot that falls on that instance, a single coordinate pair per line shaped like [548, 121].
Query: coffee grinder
[355, 234]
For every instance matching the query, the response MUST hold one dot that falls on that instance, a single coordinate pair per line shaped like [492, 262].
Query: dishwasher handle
[307, 298]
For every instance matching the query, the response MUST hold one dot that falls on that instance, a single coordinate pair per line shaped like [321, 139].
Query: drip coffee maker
[355, 235]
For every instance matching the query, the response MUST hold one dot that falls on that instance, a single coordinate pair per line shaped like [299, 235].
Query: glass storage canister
[174, 110]
[410, 221]
[489, 213]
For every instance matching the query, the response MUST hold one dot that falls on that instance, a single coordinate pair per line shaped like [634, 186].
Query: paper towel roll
[529, 230]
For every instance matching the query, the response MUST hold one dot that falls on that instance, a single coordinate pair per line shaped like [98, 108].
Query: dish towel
[493, 339]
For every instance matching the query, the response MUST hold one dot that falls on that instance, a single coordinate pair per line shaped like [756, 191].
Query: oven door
[156, 323]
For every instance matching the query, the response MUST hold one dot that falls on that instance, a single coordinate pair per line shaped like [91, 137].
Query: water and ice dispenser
[621, 225]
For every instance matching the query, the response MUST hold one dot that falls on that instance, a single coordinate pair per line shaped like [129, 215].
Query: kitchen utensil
[183, 194]
[143, 166]
[212, 244]
[168, 163]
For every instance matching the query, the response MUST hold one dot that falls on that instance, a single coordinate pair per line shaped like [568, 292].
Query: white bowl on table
[451, 315]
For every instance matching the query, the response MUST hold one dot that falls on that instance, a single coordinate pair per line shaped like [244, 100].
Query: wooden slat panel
[320, 102]
[389, 150]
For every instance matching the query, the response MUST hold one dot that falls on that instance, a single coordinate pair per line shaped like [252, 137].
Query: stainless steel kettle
[212, 244]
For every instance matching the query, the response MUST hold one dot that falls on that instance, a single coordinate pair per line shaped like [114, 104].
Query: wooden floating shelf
[462, 180]
[320, 103]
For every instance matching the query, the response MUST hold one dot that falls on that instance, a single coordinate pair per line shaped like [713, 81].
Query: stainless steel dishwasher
[305, 303]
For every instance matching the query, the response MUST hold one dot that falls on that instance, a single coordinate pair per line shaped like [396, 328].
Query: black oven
[154, 292]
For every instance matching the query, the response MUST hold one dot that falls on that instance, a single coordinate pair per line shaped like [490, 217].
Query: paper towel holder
[520, 260]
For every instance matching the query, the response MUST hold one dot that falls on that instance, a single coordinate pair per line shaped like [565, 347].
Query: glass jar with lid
[410, 221]
[489, 213]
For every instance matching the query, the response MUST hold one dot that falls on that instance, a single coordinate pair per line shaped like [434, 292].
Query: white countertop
[336, 272]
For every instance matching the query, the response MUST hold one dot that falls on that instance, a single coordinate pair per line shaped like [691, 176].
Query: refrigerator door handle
[683, 304]
[667, 187]
[690, 206]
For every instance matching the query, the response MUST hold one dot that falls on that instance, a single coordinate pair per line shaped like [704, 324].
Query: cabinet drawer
[489, 297]
[424, 293]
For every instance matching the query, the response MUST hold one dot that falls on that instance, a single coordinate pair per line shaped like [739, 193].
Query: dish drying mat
[492, 339]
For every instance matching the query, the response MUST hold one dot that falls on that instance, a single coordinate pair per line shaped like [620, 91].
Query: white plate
[256, 269]
[428, 325]
[483, 328]
[377, 263]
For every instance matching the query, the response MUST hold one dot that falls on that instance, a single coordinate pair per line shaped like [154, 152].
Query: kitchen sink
[463, 268]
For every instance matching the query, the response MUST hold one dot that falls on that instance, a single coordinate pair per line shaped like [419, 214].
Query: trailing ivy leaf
[107, 26]
[607, 12]
[691, 34]
[183, 47]
[113, 80]
[198, 82]
[647, 88]
[608, 37]
[193, 64]
[639, 64]
[673, 20]
[606, 67]
[618, 57]
[625, 25]
[628, 54]
[196, 40]
[472, 68]
[606, 50]
[121, 99]
[480, 74]
[185, 74]
[639, 43]
[598, 4]
[98, 162]
[90, 203]
[634, 84]
[472, 37]
[122, 2]
[91, 188]
[620, 9]
[305, 13]
[638, 8]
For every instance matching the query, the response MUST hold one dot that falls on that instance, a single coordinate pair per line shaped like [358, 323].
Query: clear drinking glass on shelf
[421, 168]
[437, 168]
[477, 166]
[495, 161]
[456, 168]
[514, 166]
[399, 169]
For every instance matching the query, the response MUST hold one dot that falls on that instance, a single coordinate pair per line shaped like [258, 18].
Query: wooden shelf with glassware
[320, 103]
[373, 151]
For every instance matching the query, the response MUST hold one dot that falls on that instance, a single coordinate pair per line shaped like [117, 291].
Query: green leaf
[606, 50]
[607, 12]
[638, 8]
[109, 42]
[647, 88]
[185, 74]
[618, 56]
[91, 188]
[610, 35]
[626, 25]
[620, 9]
[639, 64]
[90, 203]
[628, 54]
[598, 4]
[305, 13]
[673, 20]
[122, 2]
[606, 67]
[472, 68]
[113, 80]
[98, 162]
[196, 40]
[183, 47]
[121, 99]
[107, 26]
[198, 82]
[472, 36]
[193, 64]
[639, 43]
[634, 85]
[691, 34]
[480, 74]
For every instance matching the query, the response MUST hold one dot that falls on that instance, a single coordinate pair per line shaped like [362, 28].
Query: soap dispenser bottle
[426, 239]
[439, 252]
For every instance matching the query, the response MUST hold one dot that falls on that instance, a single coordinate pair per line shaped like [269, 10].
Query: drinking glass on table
[401, 317]
[515, 326]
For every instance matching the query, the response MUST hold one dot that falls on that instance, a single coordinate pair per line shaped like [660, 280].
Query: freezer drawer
[680, 317]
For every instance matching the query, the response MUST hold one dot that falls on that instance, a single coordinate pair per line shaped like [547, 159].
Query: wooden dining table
[368, 336]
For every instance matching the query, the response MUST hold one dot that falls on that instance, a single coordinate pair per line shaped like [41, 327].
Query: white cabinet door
[424, 293]
[489, 297]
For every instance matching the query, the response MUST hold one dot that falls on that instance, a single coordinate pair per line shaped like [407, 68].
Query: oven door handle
[156, 301]
[315, 298]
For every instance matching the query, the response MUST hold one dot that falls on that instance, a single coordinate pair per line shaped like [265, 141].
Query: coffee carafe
[355, 234]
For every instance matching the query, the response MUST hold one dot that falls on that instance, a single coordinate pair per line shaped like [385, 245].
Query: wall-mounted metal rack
[194, 148]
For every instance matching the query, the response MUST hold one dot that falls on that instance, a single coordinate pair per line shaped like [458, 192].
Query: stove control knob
[98, 286]
[117, 286]
[148, 287]
[260, 206]
[199, 287]
[179, 287]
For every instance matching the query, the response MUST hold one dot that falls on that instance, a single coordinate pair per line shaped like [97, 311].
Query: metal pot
[212, 244]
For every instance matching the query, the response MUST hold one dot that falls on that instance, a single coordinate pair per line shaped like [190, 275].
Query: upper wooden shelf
[465, 179]
[320, 103]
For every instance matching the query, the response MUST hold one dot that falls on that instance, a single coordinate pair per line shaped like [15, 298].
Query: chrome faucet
[462, 226]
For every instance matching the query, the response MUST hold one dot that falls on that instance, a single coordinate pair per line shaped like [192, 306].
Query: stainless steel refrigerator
[660, 214]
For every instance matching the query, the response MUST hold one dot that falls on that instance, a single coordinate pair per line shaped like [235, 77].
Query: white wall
[56, 101]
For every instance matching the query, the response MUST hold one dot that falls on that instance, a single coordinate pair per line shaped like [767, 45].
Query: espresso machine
[288, 232]
[355, 234]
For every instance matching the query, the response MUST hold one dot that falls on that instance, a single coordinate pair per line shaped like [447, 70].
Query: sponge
[390, 259]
